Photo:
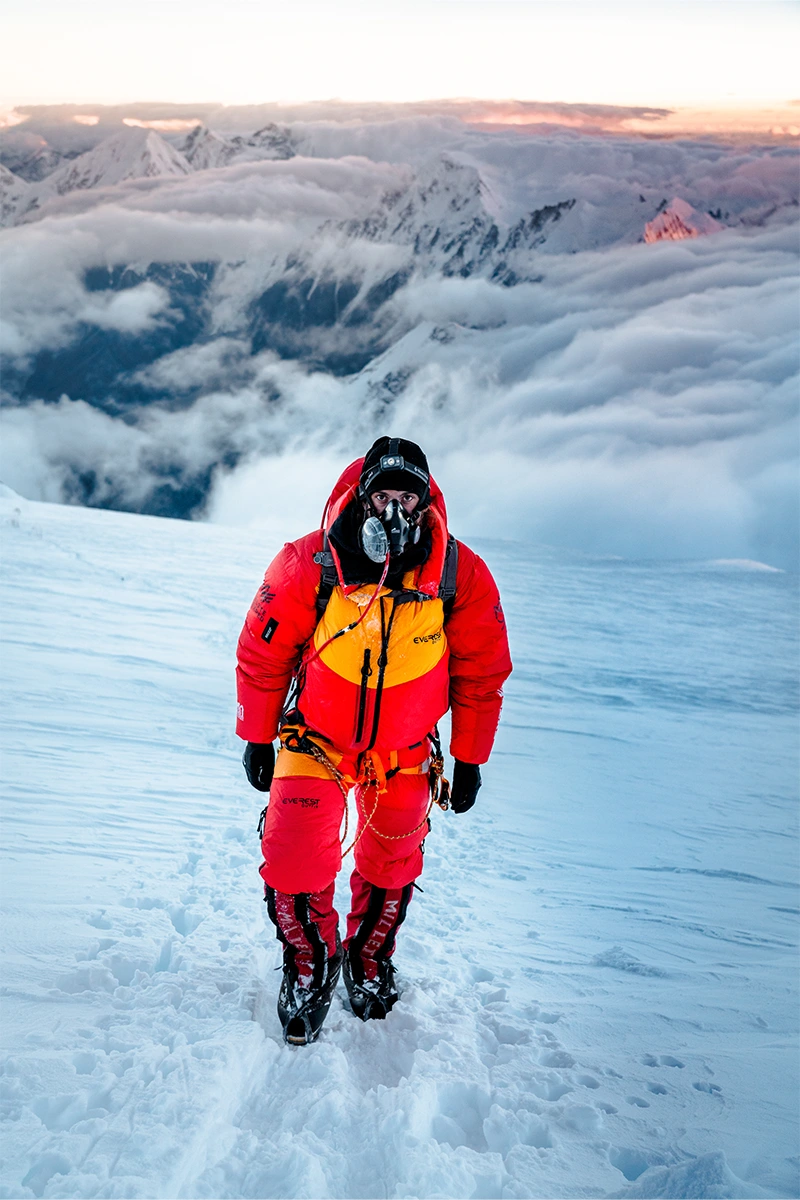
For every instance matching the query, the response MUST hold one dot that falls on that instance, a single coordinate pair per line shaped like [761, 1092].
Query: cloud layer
[631, 403]
[635, 400]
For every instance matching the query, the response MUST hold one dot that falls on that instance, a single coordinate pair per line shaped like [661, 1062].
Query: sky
[684, 53]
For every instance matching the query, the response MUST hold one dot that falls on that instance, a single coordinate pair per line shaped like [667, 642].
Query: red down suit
[372, 695]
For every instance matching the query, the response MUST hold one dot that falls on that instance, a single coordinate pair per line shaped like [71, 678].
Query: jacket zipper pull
[366, 671]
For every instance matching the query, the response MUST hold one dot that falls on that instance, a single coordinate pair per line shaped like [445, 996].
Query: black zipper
[366, 671]
[386, 630]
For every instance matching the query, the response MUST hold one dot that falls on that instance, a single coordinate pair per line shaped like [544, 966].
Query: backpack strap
[447, 587]
[328, 577]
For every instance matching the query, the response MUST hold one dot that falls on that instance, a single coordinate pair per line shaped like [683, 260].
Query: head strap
[392, 462]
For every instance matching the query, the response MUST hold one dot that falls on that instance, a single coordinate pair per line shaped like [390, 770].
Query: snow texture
[599, 981]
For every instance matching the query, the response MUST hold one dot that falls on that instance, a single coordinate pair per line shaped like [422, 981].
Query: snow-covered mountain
[448, 216]
[34, 154]
[16, 197]
[130, 155]
[39, 164]
[134, 154]
[204, 149]
[333, 312]
[30, 156]
[678, 220]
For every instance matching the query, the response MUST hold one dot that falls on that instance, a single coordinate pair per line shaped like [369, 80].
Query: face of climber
[380, 499]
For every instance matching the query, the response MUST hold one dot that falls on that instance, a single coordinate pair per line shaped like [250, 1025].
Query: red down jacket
[386, 683]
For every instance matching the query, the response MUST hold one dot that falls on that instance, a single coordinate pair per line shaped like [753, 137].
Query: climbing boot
[302, 1004]
[371, 999]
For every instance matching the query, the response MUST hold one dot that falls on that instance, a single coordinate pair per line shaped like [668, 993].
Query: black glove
[258, 761]
[466, 782]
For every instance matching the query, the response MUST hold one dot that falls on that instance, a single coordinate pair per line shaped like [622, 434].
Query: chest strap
[329, 579]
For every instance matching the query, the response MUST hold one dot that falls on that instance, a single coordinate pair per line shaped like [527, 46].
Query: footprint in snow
[184, 920]
[462, 1110]
[190, 866]
[235, 833]
[84, 1062]
[43, 1170]
[99, 920]
[663, 1060]
[557, 1058]
[550, 1089]
[585, 1118]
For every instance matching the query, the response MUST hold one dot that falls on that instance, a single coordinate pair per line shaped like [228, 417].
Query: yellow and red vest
[385, 683]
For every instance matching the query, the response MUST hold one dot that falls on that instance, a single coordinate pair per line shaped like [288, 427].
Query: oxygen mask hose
[353, 624]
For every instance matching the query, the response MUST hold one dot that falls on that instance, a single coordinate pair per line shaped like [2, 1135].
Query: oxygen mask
[390, 532]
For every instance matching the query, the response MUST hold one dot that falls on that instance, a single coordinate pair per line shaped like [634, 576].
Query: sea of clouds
[636, 400]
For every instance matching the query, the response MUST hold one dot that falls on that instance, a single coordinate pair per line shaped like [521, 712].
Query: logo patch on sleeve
[265, 596]
[269, 629]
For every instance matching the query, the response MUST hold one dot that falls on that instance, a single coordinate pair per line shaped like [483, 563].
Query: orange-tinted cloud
[173, 125]
[781, 122]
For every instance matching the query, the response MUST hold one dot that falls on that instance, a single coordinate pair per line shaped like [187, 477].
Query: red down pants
[303, 855]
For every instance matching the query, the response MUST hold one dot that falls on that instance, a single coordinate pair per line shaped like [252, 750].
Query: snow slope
[600, 977]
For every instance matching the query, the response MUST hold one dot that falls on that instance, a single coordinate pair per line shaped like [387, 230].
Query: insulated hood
[435, 520]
